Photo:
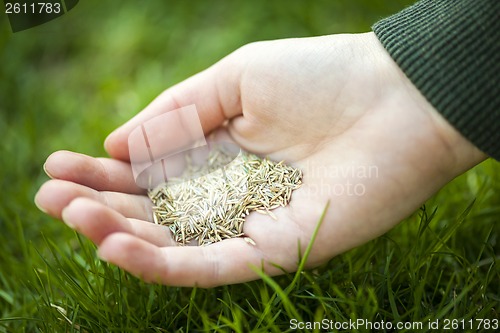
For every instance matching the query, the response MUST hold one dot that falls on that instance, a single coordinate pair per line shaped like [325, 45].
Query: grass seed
[208, 203]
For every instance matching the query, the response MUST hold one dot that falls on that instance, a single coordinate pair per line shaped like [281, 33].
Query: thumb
[214, 92]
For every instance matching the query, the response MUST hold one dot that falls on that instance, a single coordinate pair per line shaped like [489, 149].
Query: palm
[331, 106]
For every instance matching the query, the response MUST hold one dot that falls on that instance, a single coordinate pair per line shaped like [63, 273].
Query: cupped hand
[337, 107]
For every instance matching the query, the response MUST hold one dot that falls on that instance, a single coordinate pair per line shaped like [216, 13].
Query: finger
[56, 194]
[102, 174]
[214, 92]
[221, 263]
[96, 221]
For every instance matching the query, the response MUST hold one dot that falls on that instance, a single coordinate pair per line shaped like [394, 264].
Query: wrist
[445, 147]
[461, 153]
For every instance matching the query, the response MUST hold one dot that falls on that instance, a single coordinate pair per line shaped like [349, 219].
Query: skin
[324, 104]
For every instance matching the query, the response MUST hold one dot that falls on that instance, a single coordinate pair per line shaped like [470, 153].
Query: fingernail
[106, 141]
[66, 220]
[110, 137]
[37, 204]
[45, 169]
[102, 256]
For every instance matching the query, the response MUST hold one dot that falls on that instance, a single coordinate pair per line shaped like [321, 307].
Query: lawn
[68, 83]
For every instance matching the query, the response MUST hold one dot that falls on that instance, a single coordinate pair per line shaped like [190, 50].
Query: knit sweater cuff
[450, 50]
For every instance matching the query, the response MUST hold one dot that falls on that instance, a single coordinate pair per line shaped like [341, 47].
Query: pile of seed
[209, 203]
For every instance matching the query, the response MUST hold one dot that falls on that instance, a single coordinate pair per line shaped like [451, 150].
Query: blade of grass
[303, 260]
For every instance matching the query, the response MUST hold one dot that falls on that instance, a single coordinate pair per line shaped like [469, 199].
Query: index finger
[214, 92]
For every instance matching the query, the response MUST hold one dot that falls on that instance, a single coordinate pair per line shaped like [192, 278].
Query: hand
[337, 107]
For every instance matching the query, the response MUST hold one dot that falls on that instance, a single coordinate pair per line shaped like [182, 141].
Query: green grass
[66, 84]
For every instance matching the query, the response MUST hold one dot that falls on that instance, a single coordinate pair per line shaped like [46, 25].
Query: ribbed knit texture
[450, 50]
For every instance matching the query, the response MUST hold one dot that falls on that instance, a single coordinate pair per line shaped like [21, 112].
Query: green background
[68, 83]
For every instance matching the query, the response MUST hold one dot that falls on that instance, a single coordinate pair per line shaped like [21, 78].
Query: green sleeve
[450, 50]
